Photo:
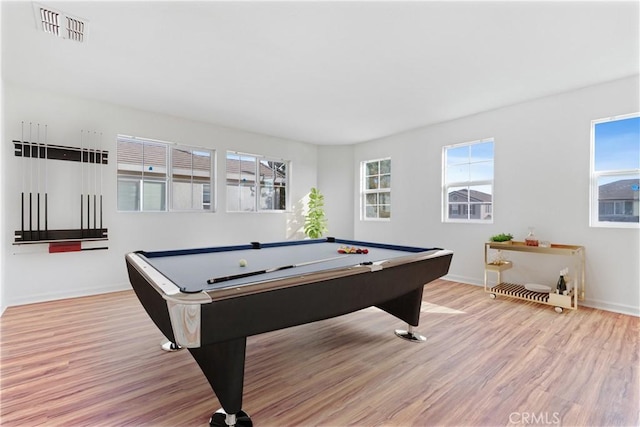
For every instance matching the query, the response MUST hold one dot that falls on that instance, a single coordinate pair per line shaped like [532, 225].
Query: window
[468, 182]
[256, 183]
[142, 175]
[190, 179]
[376, 189]
[273, 185]
[615, 171]
[152, 172]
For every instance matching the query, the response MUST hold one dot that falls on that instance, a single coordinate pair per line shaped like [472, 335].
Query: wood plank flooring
[96, 361]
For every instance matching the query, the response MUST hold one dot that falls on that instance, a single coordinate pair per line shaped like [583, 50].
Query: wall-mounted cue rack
[35, 199]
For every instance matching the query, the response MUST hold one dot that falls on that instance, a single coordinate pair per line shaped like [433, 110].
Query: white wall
[30, 274]
[335, 181]
[541, 180]
[2, 223]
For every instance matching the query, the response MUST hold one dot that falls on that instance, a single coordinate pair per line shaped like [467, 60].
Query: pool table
[209, 300]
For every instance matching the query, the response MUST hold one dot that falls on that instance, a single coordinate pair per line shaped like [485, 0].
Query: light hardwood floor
[96, 361]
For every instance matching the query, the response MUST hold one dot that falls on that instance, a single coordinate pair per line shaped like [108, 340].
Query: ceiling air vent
[75, 29]
[50, 21]
[60, 24]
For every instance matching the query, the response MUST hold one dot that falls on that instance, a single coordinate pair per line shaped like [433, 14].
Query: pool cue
[46, 176]
[81, 189]
[23, 180]
[101, 160]
[270, 270]
[88, 196]
[30, 184]
[89, 176]
[38, 180]
[88, 187]
[95, 183]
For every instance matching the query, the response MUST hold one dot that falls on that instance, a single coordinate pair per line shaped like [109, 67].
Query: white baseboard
[613, 307]
[463, 279]
[591, 303]
[52, 296]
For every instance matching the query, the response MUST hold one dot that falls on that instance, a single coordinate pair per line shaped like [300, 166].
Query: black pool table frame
[214, 325]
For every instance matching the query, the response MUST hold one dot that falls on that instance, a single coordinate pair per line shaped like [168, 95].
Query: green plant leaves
[315, 224]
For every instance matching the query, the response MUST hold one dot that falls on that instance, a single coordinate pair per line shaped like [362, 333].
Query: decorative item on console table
[504, 238]
[531, 239]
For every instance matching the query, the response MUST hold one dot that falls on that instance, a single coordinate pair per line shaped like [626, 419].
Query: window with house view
[160, 176]
[615, 171]
[376, 189]
[256, 183]
[468, 182]
[191, 178]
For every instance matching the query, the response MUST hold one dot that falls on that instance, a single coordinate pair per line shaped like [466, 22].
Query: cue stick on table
[270, 270]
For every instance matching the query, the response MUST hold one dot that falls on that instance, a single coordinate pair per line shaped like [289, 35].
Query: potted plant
[501, 238]
[315, 224]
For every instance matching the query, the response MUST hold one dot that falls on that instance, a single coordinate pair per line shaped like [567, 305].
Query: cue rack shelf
[60, 240]
[59, 152]
[518, 291]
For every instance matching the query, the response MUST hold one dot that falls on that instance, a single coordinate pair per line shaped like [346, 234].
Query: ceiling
[323, 72]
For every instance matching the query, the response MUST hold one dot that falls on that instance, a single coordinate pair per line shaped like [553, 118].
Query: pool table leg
[170, 346]
[410, 335]
[223, 365]
[222, 419]
[407, 308]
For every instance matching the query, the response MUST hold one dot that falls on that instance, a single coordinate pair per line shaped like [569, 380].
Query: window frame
[468, 183]
[259, 184]
[594, 176]
[168, 193]
[364, 192]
